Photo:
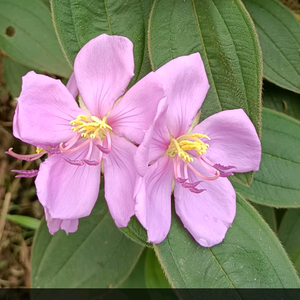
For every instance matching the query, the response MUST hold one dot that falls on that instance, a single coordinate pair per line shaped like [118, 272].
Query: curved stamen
[72, 141]
[197, 191]
[201, 175]
[25, 173]
[94, 162]
[108, 138]
[89, 151]
[26, 157]
[74, 162]
[66, 150]
[208, 167]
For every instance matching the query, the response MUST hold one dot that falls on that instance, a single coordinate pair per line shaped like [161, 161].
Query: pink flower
[199, 160]
[101, 134]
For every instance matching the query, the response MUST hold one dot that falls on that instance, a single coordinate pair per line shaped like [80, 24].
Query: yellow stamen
[90, 126]
[187, 142]
[39, 150]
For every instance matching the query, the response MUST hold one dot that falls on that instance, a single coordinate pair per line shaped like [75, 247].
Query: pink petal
[103, 69]
[155, 142]
[45, 108]
[233, 140]
[153, 200]
[187, 85]
[55, 224]
[119, 180]
[134, 114]
[72, 86]
[66, 190]
[209, 214]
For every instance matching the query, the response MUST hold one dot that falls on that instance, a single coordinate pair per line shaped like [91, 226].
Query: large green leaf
[137, 277]
[279, 36]
[155, 277]
[97, 255]
[277, 181]
[249, 257]
[289, 234]
[281, 100]
[222, 32]
[27, 36]
[268, 214]
[13, 73]
[77, 22]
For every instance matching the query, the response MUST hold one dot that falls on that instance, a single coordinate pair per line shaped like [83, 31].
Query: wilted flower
[199, 160]
[101, 130]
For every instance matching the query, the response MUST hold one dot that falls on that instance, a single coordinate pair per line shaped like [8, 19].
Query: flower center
[183, 160]
[185, 143]
[95, 133]
[90, 126]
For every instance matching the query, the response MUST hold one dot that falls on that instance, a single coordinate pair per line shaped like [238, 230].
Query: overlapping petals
[68, 191]
[79, 139]
[187, 85]
[224, 143]
[153, 201]
[119, 180]
[103, 69]
[132, 116]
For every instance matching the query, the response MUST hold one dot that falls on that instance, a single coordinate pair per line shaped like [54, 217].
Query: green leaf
[25, 221]
[289, 234]
[27, 36]
[268, 214]
[281, 100]
[13, 73]
[85, 20]
[222, 32]
[97, 255]
[249, 257]
[155, 277]
[279, 35]
[137, 277]
[136, 232]
[277, 181]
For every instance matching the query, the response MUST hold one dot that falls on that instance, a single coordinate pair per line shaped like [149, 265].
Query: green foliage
[28, 37]
[279, 36]
[240, 42]
[13, 73]
[97, 255]
[230, 53]
[289, 235]
[24, 221]
[88, 19]
[249, 257]
[277, 181]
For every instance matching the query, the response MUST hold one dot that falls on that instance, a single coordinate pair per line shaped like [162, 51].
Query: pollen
[185, 143]
[90, 126]
[39, 150]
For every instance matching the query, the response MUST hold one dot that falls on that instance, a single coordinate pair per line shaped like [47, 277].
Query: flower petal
[103, 69]
[155, 142]
[72, 86]
[153, 200]
[119, 180]
[45, 108]
[134, 114]
[55, 224]
[209, 214]
[187, 86]
[68, 191]
[233, 140]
